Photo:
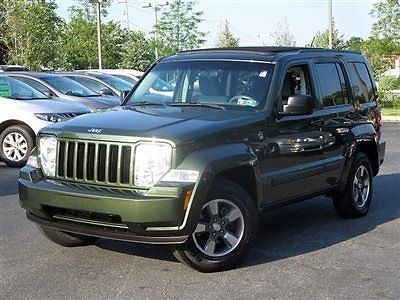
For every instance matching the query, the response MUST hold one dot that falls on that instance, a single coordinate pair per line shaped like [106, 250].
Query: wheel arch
[13, 122]
[236, 162]
[371, 150]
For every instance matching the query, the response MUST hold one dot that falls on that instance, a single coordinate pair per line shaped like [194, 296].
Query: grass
[391, 112]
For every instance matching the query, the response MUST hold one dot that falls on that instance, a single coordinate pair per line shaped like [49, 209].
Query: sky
[254, 21]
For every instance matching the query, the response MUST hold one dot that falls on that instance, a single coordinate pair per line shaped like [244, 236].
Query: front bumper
[156, 217]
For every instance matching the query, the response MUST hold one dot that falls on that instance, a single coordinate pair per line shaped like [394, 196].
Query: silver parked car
[57, 86]
[24, 112]
[103, 84]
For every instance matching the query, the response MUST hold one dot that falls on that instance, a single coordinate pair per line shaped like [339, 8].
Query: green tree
[282, 36]
[79, 39]
[226, 38]
[30, 32]
[79, 47]
[178, 28]
[378, 51]
[387, 24]
[321, 40]
[355, 43]
[137, 51]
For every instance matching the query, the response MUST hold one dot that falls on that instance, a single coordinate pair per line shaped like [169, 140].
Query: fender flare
[210, 162]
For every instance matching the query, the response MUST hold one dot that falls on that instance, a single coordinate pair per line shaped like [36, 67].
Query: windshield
[227, 83]
[68, 86]
[15, 89]
[115, 82]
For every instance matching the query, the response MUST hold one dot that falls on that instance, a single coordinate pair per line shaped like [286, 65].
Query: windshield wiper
[198, 104]
[145, 103]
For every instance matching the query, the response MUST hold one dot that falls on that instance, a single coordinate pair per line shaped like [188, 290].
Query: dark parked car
[57, 86]
[246, 130]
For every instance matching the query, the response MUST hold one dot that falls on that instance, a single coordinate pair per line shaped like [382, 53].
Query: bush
[386, 85]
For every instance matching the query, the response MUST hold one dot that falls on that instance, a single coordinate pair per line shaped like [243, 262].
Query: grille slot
[95, 162]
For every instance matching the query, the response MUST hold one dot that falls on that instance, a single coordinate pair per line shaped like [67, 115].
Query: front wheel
[225, 232]
[16, 144]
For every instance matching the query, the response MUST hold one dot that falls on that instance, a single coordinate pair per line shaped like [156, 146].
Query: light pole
[155, 5]
[330, 24]
[126, 12]
[98, 12]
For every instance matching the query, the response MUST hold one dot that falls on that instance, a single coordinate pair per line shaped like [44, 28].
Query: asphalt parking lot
[303, 251]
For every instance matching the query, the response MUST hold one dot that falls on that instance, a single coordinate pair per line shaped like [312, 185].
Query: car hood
[177, 124]
[51, 106]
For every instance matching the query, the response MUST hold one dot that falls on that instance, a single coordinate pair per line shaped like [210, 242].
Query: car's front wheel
[16, 144]
[225, 232]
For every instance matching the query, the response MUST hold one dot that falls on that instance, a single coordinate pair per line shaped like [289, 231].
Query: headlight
[47, 155]
[152, 162]
[54, 117]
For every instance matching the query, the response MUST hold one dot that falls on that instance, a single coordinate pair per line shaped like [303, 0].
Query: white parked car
[24, 112]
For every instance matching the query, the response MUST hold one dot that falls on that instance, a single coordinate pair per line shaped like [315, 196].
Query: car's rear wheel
[16, 145]
[225, 232]
[66, 239]
[356, 199]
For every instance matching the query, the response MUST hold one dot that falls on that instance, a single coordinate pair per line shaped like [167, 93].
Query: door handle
[318, 122]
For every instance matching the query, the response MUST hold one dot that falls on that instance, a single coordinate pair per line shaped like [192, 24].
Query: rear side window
[363, 88]
[332, 84]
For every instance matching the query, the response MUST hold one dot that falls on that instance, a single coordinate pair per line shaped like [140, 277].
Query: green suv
[245, 130]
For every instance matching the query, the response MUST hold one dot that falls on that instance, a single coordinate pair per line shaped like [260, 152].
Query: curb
[390, 118]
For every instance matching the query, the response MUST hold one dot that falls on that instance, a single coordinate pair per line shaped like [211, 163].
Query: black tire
[66, 239]
[346, 204]
[29, 140]
[190, 255]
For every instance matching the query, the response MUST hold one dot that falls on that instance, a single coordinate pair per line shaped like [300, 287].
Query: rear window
[332, 84]
[362, 86]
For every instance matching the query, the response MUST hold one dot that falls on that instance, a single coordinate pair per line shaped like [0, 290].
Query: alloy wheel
[15, 146]
[220, 228]
[361, 186]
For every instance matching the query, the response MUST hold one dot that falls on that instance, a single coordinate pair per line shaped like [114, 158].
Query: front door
[292, 166]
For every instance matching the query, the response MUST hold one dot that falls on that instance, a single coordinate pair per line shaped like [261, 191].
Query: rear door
[337, 107]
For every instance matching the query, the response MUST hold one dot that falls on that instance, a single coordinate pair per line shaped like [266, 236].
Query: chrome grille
[95, 162]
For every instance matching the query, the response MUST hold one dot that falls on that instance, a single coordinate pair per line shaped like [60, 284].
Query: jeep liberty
[245, 130]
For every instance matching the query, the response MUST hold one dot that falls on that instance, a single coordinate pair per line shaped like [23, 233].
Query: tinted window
[68, 86]
[91, 84]
[361, 82]
[117, 83]
[14, 89]
[332, 84]
[34, 84]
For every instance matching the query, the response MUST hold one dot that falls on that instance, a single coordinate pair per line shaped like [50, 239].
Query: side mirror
[123, 95]
[298, 105]
[106, 92]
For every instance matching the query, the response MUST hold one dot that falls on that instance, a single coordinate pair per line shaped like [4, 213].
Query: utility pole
[155, 5]
[330, 24]
[98, 13]
[126, 12]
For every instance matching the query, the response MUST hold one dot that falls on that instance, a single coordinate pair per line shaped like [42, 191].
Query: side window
[36, 85]
[91, 84]
[332, 84]
[363, 88]
[297, 82]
